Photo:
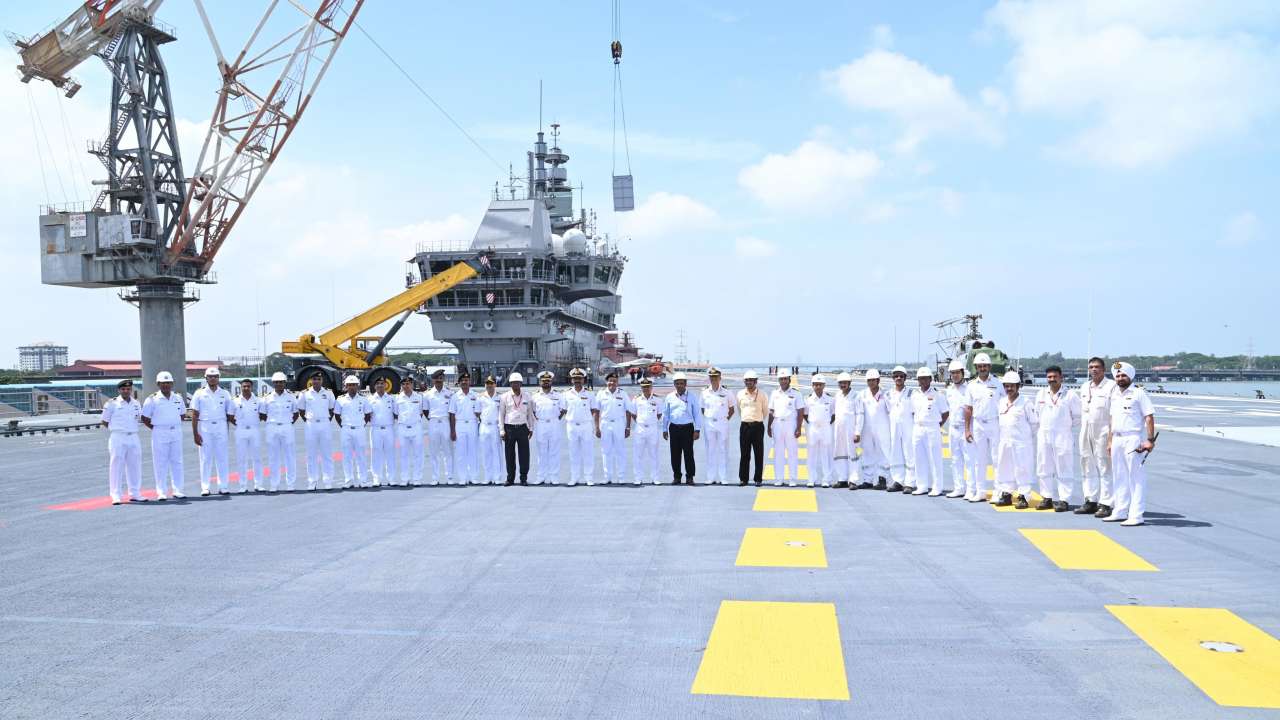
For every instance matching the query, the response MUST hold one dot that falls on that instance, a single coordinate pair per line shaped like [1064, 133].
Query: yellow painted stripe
[1032, 499]
[946, 453]
[1085, 550]
[801, 453]
[801, 474]
[785, 501]
[1239, 679]
[782, 547]
[774, 650]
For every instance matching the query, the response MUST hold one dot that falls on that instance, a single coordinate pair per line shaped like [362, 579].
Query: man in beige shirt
[753, 407]
[515, 415]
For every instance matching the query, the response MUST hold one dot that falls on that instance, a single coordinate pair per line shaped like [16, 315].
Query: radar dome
[575, 241]
[557, 244]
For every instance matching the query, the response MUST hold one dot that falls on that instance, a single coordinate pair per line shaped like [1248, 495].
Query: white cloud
[1241, 230]
[814, 176]
[666, 215]
[924, 102]
[1149, 80]
[880, 212]
[951, 201]
[754, 247]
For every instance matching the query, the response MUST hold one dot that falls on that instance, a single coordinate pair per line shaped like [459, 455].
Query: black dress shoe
[1020, 502]
[1005, 500]
[1088, 508]
[896, 487]
[1045, 504]
[511, 482]
[759, 483]
[853, 486]
[524, 482]
[1104, 511]
[689, 480]
[865, 486]
[676, 481]
[880, 485]
[742, 482]
[1061, 506]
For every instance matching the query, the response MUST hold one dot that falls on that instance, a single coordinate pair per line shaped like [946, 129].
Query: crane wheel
[391, 376]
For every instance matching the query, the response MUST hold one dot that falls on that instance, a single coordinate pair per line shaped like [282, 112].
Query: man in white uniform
[872, 432]
[464, 430]
[382, 434]
[648, 415]
[1133, 435]
[211, 406]
[981, 424]
[1015, 453]
[580, 415]
[316, 406]
[1095, 430]
[122, 415]
[439, 448]
[929, 412]
[786, 418]
[717, 413]
[1058, 409]
[279, 410]
[957, 394]
[163, 412]
[844, 449]
[613, 427]
[820, 413]
[352, 412]
[548, 410]
[248, 437]
[410, 416]
[492, 465]
[902, 466]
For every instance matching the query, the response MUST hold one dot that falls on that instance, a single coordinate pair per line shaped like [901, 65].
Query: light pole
[262, 358]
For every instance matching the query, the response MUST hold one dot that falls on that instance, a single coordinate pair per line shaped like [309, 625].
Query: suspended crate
[624, 195]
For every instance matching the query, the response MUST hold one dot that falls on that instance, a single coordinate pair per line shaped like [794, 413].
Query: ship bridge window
[535, 296]
[602, 274]
[580, 273]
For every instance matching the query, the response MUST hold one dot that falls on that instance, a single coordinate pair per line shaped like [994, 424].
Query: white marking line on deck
[246, 627]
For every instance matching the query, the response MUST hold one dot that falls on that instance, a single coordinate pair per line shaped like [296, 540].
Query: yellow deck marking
[801, 453]
[1033, 498]
[1085, 550]
[785, 501]
[1239, 679]
[946, 453]
[802, 473]
[776, 650]
[782, 547]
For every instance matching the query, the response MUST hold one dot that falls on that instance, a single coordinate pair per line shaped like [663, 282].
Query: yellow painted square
[1086, 550]
[785, 501]
[1033, 499]
[802, 472]
[801, 453]
[1238, 679]
[782, 547]
[946, 453]
[774, 650]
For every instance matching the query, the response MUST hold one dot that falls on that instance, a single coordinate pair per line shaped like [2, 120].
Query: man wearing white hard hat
[982, 424]
[211, 406]
[902, 465]
[248, 437]
[648, 417]
[957, 395]
[681, 426]
[581, 412]
[548, 415]
[820, 414]
[1095, 432]
[929, 412]
[163, 412]
[515, 413]
[1133, 435]
[786, 419]
[753, 410]
[316, 405]
[279, 410]
[382, 434]
[1059, 409]
[717, 413]
[1015, 452]
[439, 446]
[352, 412]
[872, 432]
[844, 450]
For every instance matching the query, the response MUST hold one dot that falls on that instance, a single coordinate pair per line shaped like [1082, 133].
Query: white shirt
[383, 408]
[927, 406]
[715, 407]
[164, 412]
[957, 398]
[488, 405]
[437, 404]
[315, 406]
[213, 405]
[820, 408]
[1095, 402]
[464, 408]
[984, 397]
[900, 409]
[875, 409]
[1129, 409]
[1058, 411]
[408, 409]
[121, 416]
[578, 405]
[547, 405]
[648, 410]
[1018, 419]
[784, 404]
[352, 410]
[847, 407]
[614, 406]
[279, 408]
[246, 413]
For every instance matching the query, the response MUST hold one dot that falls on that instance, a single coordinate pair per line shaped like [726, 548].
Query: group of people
[869, 439]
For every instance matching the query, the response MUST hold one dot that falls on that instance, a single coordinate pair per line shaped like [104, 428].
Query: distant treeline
[1182, 361]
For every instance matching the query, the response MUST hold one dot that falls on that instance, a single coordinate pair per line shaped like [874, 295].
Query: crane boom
[54, 54]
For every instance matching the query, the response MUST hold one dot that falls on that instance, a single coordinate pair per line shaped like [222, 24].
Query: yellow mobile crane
[363, 354]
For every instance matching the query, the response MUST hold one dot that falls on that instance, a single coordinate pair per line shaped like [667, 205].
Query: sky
[812, 180]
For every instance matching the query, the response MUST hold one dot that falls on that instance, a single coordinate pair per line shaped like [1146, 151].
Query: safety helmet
[1011, 378]
[844, 377]
[873, 374]
[351, 380]
[164, 376]
[956, 365]
[982, 359]
[818, 380]
[924, 372]
[515, 377]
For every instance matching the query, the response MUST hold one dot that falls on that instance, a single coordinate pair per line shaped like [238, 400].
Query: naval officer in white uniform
[957, 392]
[648, 417]
[411, 415]
[122, 415]
[439, 447]
[1015, 453]
[492, 464]
[717, 414]
[580, 415]
[548, 411]
[872, 432]
[352, 412]
[248, 436]
[982, 424]
[902, 466]
[316, 406]
[929, 412]
[613, 427]
[464, 430]
[820, 414]
[1095, 431]
[163, 412]
[845, 450]
[211, 407]
[279, 410]
[1133, 435]
[786, 418]
[382, 434]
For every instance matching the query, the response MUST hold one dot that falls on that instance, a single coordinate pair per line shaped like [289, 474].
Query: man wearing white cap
[1133, 435]
[248, 436]
[717, 413]
[1015, 452]
[753, 409]
[820, 414]
[648, 417]
[580, 416]
[211, 406]
[929, 412]
[902, 465]
[492, 466]
[681, 425]
[981, 424]
[464, 430]
[1059, 409]
[411, 415]
[844, 450]
[439, 447]
[548, 412]
[1095, 432]
[279, 410]
[516, 414]
[786, 418]
[353, 413]
[163, 412]
[382, 434]
[957, 394]
[316, 405]
[121, 415]
[872, 432]
[613, 427]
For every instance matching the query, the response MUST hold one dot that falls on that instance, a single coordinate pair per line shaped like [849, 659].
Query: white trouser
[493, 464]
[248, 447]
[902, 466]
[613, 449]
[821, 453]
[548, 439]
[281, 465]
[1095, 463]
[439, 451]
[465, 463]
[1013, 466]
[926, 454]
[318, 441]
[355, 455]
[982, 451]
[382, 439]
[125, 464]
[412, 453]
[844, 451]
[648, 441]
[960, 461]
[582, 461]
[1054, 466]
[1130, 477]
[166, 458]
[874, 442]
[715, 440]
[215, 458]
[786, 457]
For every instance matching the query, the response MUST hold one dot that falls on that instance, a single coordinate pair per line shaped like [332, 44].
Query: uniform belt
[279, 422]
[1125, 432]
[383, 427]
[317, 420]
[353, 427]
[435, 420]
[125, 432]
[164, 427]
[460, 423]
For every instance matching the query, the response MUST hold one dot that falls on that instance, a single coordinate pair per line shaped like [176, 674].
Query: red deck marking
[337, 456]
[96, 503]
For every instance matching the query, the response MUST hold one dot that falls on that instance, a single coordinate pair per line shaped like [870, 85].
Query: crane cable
[619, 105]
[78, 163]
[35, 136]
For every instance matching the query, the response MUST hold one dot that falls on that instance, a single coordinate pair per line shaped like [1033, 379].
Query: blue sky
[809, 177]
